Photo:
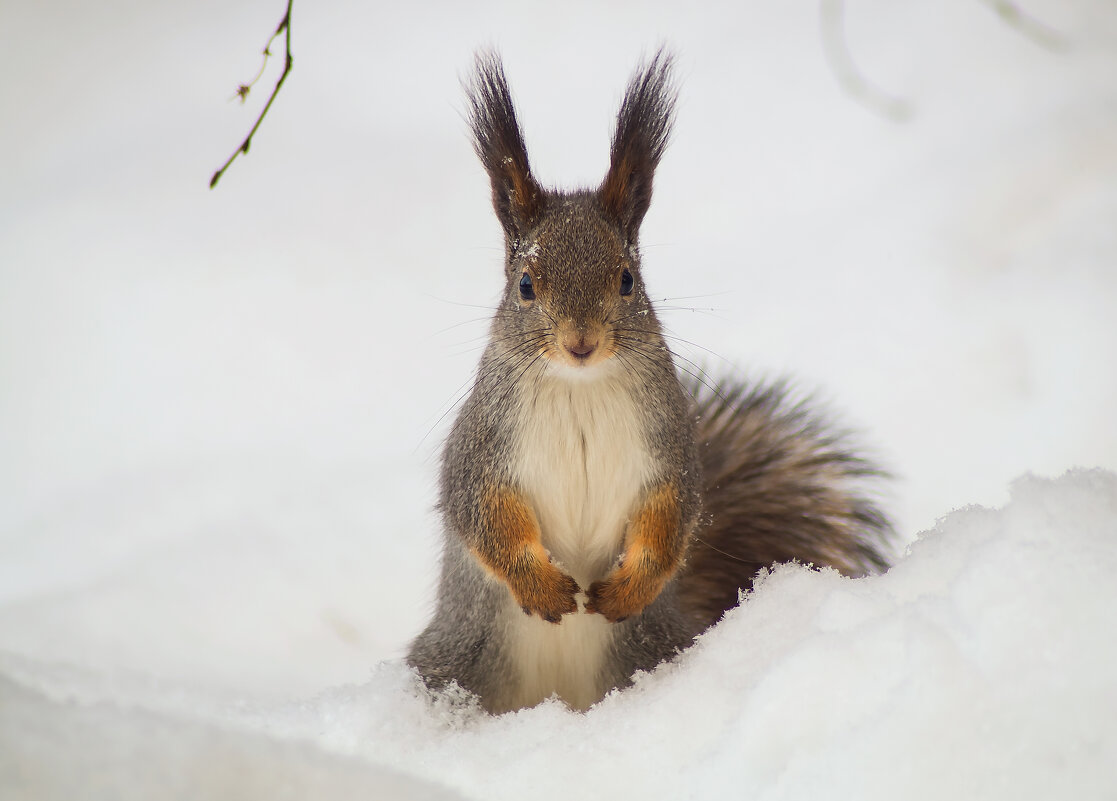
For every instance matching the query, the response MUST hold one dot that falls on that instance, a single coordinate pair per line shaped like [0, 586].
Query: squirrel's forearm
[508, 544]
[654, 548]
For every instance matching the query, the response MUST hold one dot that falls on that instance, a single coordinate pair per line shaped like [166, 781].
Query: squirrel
[599, 511]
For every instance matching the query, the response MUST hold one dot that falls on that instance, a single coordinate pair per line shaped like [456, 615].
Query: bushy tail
[779, 487]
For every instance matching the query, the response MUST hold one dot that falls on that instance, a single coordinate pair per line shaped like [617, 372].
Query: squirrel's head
[574, 294]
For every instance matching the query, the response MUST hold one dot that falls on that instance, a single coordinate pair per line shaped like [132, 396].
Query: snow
[973, 669]
[220, 411]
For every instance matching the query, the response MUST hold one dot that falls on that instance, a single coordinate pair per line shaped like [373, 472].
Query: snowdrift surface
[981, 666]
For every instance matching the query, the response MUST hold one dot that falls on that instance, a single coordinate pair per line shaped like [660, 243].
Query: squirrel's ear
[517, 198]
[643, 128]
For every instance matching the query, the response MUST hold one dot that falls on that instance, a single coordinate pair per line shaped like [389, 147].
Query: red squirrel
[599, 512]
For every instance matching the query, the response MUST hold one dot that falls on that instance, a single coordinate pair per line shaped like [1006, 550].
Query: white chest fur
[582, 462]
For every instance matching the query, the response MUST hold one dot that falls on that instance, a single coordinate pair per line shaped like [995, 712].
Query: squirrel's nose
[581, 349]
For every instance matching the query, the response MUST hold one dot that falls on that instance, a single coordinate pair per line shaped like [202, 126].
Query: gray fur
[576, 248]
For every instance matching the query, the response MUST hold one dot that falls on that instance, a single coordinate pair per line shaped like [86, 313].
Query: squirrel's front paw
[551, 596]
[618, 597]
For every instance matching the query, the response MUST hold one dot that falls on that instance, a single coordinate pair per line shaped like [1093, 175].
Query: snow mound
[981, 666]
[58, 750]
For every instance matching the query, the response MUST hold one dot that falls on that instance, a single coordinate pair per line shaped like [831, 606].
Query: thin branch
[832, 19]
[1039, 32]
[243, 89]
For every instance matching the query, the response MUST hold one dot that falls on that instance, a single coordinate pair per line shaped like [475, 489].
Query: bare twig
[1036, 30]
[832, 19]
[243, 89]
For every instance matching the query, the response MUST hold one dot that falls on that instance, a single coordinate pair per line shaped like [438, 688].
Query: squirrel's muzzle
[581, 347]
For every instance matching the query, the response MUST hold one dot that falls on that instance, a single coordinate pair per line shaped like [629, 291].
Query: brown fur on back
[779, 487]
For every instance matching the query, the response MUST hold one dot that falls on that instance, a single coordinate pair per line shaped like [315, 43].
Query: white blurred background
[220, 411]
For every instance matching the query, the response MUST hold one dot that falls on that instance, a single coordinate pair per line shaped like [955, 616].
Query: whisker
[726, 554]
[675, 337]
[459, 395]
[712, 312]
[700, 375]
[459, 303]
[682, 363]
[459, 325]
[665, 299]
[515, 355]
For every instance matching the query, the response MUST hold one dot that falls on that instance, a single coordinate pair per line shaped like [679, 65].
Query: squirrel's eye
[626, 283]
[527, 291]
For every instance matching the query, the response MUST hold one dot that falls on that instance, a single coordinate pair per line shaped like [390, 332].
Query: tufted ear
[517, 198]
[643, 128]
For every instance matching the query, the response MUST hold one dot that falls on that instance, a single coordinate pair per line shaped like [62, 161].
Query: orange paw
[619, 597]
[551, 596]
